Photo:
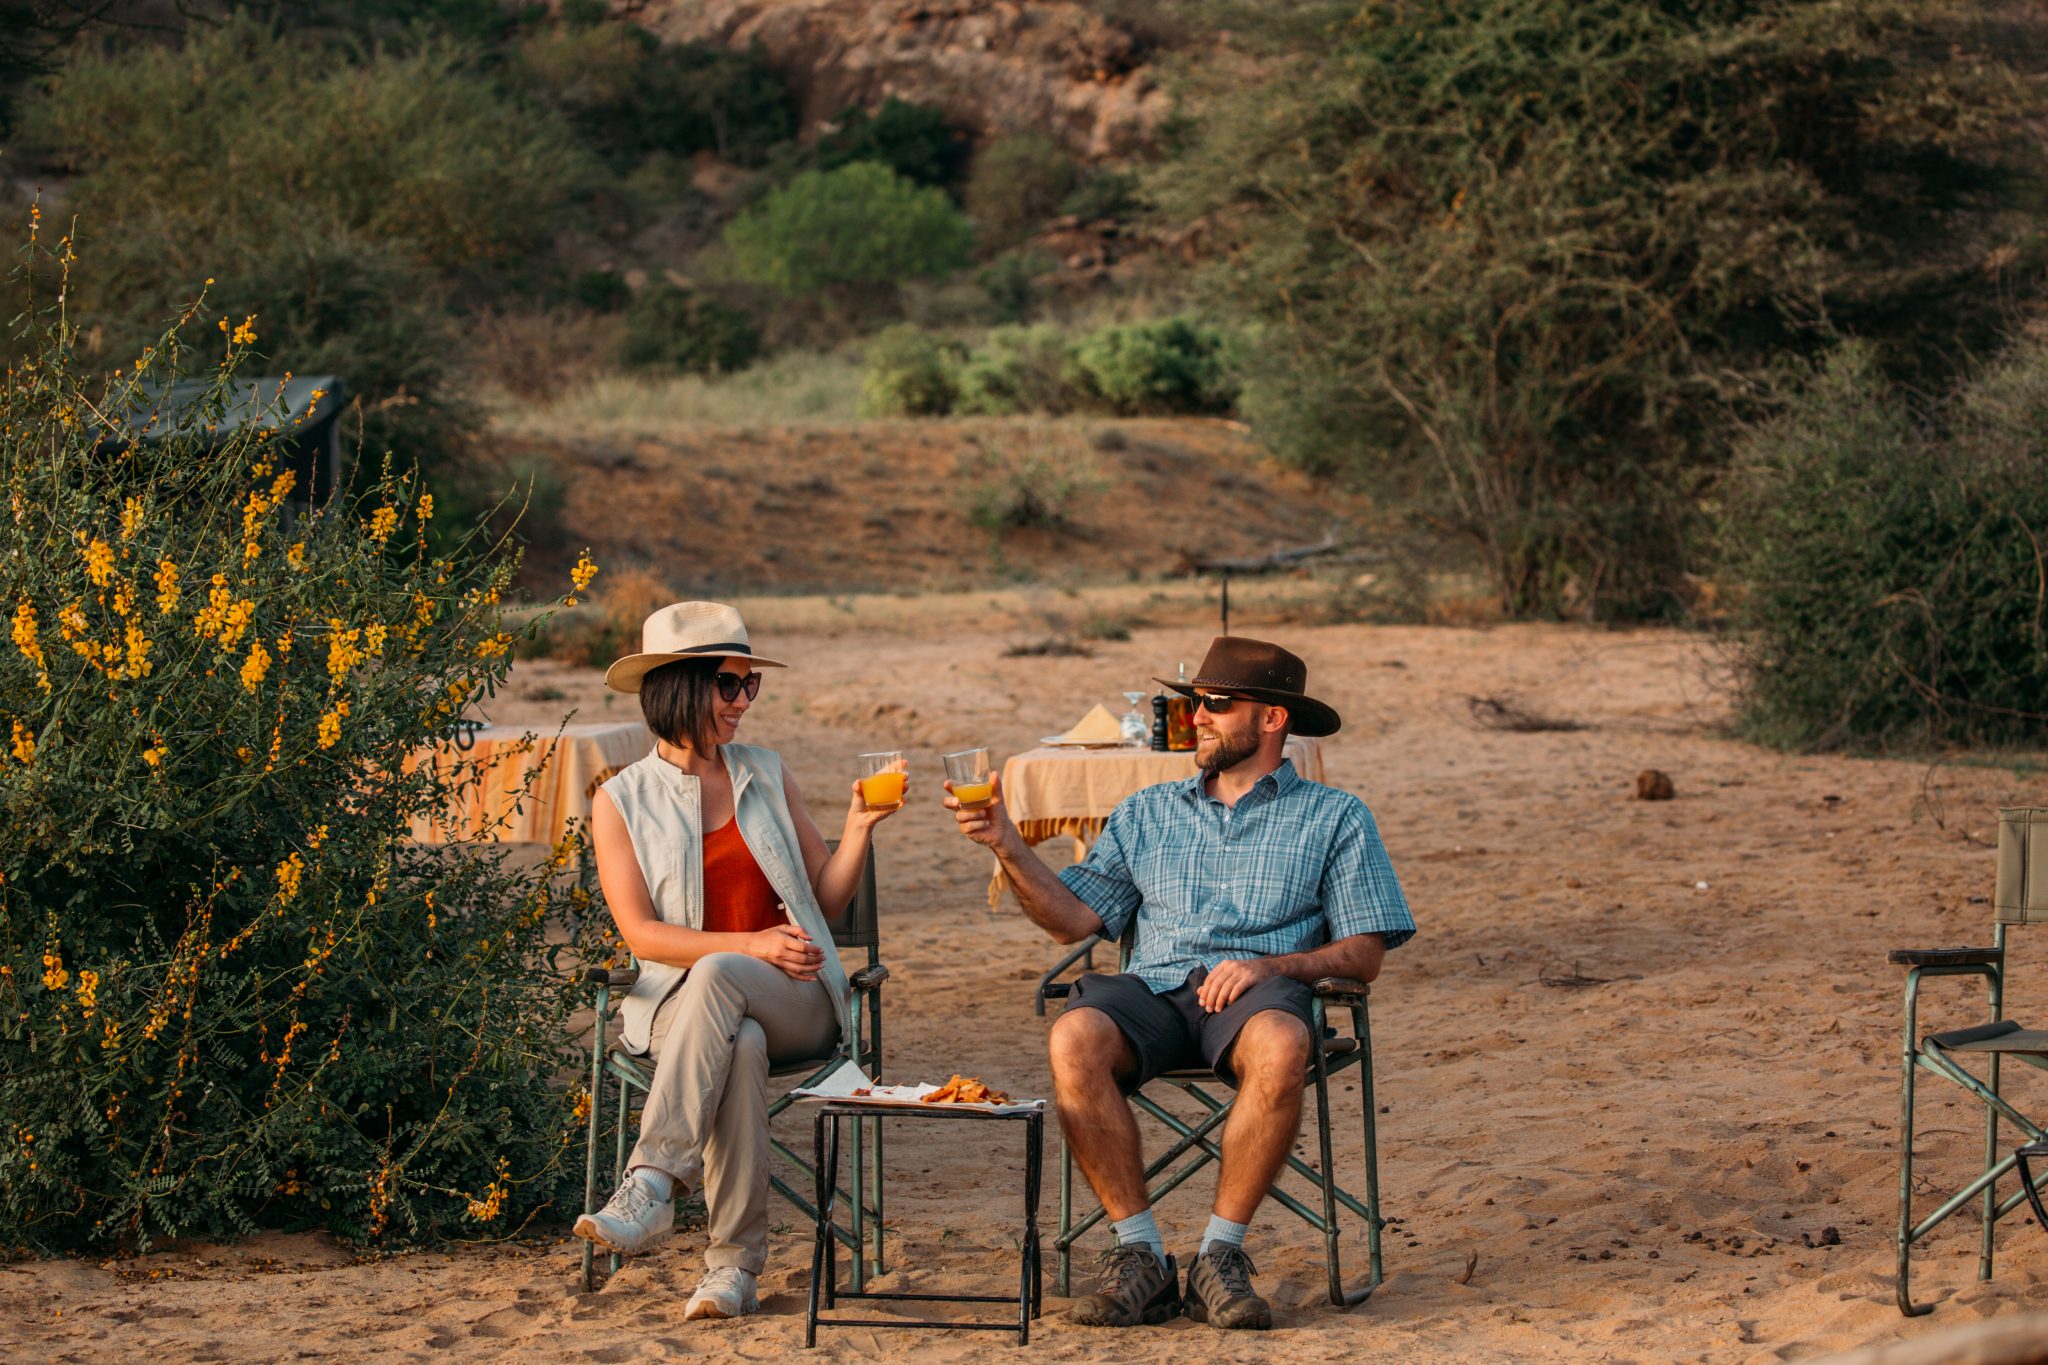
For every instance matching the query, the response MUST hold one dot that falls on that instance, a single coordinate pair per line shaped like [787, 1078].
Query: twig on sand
[1503, 711]
[1056, 647]
[1931, 802]
[1574, 980]
[1471, 1264]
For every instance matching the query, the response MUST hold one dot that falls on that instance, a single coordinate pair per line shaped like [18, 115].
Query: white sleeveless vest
[663, 810]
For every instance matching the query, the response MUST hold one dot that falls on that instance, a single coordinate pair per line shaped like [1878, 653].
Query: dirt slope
[888, 506]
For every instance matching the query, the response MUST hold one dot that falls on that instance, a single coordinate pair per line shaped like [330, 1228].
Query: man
[1248, 882]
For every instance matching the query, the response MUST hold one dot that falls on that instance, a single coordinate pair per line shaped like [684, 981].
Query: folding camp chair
[857, 930]
[1336, 1054]
[2021, 898]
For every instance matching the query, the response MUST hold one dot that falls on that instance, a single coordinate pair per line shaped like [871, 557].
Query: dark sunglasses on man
[730, 685]
[1210, 702]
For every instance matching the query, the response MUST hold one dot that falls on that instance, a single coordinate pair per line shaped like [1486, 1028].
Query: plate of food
[850, 1085]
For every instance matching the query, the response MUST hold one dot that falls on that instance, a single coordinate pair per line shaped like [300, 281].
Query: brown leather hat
[1265, 672]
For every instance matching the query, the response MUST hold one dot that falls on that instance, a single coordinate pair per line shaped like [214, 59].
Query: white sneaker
[725, 1292]
[632, 1222]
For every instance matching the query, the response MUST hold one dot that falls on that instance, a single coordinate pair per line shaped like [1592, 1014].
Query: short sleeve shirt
[1292, 866]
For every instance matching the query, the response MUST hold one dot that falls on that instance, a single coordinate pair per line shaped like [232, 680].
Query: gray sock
[1224, 1232]
[1141, 1227]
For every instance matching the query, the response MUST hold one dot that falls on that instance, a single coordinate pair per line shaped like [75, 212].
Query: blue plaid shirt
[1293, 866]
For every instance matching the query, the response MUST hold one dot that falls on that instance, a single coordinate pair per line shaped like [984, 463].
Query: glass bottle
[1180, 718]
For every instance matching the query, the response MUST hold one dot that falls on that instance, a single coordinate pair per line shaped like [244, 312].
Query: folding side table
[825, 1253]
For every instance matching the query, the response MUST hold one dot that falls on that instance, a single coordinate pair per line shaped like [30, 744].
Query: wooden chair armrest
[868, 978]
[1946, 957]
[614, 977]
[1342, 988]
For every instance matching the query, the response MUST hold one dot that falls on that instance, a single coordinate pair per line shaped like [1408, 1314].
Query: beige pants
[706, 1117]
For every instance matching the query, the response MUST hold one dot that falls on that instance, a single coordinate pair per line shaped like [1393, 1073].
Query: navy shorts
[1172, 1032]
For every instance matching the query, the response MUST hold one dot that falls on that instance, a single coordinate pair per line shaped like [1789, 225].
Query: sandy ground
[1652, 1164]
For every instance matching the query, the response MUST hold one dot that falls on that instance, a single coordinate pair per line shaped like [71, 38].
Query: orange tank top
[737, 897]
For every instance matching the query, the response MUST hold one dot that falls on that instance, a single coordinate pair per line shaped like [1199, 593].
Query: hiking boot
[1220, 1290]
[1135, 1287]
[631, 1222]
[726, 1291]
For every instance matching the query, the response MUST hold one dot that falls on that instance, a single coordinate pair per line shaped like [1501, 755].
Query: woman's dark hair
[677, 699]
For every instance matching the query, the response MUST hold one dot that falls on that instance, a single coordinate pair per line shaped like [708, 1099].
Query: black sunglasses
[730, 685]
[1216, 705]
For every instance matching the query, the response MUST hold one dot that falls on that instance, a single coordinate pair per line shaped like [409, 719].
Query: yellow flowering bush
[232, 992]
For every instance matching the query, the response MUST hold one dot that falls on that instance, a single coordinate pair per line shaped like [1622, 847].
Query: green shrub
[630, 95]
[348, 205]
[913, 140]
[681, 329]
[231, 994]
[1165, 366]
[601, 291]
[1027, 489]
[909, 374]
[1021, 369]
[1011, 282]
[1109, 195]
[1887, 564]
[1018, 182]
[859, 227]
[1542, 261]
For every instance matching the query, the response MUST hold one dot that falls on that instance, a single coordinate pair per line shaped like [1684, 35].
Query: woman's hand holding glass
[788, 948]
[886, 778]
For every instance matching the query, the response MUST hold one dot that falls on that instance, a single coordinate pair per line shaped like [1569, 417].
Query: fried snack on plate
[966, 1090]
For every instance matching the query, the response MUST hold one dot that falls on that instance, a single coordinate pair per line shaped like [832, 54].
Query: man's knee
[1087, 1045]
[1271, 1052]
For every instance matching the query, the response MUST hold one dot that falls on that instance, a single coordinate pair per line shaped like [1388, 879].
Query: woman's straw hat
[685, 630]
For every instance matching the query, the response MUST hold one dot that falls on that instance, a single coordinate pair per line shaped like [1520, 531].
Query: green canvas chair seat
[856, 931]
[2021, 898]
[1197, 1141]
[2004, 1036]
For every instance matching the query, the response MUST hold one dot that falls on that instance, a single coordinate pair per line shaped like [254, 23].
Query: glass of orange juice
[881, 779]
[967, 772]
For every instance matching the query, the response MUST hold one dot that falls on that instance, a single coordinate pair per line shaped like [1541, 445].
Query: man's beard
[1227, 753]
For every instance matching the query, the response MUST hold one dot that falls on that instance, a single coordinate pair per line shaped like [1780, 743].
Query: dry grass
[532, 358]
[792, 389]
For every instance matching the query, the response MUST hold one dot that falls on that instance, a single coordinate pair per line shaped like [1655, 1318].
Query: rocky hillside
[1059, 68]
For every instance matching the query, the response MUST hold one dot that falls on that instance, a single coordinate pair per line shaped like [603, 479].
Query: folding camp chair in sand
[2021, 898]
[858, 929]
[1338, 1053]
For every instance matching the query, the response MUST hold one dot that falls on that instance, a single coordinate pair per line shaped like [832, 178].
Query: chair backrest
[2021, 896]
[860, 926]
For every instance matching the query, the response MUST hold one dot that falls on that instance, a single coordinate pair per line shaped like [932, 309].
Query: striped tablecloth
[567, 771]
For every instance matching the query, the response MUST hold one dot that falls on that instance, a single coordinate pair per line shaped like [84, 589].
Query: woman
[721, 884]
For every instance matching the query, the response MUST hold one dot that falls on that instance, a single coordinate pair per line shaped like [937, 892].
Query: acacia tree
[1531, 261]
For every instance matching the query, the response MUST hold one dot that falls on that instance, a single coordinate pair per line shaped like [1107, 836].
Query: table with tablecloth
[1050, 792]
[566, 770]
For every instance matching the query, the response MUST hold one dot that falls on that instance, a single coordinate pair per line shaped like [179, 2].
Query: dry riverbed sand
[1641, 1059]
